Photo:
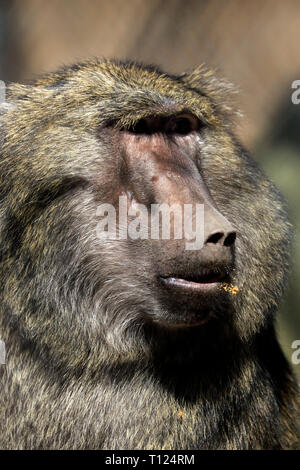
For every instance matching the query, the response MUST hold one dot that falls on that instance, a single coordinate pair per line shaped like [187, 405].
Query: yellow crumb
[230, 288]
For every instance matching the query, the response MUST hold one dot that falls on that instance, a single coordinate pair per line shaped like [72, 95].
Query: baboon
[122, 343]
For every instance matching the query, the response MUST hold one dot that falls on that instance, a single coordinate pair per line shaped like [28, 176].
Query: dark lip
[206, 281]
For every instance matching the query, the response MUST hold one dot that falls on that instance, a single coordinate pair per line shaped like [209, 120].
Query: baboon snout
[162, 172]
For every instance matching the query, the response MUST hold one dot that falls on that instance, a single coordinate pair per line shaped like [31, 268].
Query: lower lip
[190, 285]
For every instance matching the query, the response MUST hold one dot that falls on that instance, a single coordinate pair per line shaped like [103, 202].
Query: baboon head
[78, 142]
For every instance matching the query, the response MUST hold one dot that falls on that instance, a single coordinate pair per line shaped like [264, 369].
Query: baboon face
[161, 166]
[90, 135]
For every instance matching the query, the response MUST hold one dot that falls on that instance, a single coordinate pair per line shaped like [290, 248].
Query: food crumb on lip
[230, 288]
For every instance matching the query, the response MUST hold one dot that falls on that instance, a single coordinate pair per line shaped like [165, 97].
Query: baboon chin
[125, 331]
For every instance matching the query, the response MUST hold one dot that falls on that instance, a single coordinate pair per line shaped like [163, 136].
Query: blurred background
[255, 44]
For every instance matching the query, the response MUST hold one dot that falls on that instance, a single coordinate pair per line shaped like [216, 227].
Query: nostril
[215, 237]
[230, 239]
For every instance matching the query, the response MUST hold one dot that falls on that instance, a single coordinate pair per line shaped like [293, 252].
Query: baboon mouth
[205, 281]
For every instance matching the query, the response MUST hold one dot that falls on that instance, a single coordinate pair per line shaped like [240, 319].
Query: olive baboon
[138, 343]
